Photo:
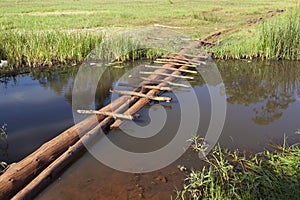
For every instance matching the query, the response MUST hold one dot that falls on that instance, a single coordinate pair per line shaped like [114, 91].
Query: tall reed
[276, 38]
[280, 38]
[46, 48]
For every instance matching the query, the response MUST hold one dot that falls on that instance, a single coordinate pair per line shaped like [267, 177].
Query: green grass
[276, 38]
[232, 175]
[79, 14]
[46, 48]
[43, 33]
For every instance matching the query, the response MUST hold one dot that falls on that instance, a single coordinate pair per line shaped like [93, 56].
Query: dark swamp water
[263, 105]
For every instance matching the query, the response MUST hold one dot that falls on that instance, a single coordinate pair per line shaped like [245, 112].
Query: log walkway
[25, 179]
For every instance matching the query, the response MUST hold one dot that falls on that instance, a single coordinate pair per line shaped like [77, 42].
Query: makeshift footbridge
[25, 179]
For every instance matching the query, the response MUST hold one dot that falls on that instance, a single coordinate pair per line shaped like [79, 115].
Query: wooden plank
[174, 63]
[155, 98]
[164, 81]
[165, 74]
[188, 55]
[147, 87]
[181, 61]
[171, 68]
[155, 87]
[112, 114]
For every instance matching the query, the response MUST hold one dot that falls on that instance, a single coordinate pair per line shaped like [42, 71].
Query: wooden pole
[165, 81]
[175, 63]
[112, 114]
[165, 74]
[157, 88]
[155, 98]
[181, 61]
[171, 68]
[55, 168]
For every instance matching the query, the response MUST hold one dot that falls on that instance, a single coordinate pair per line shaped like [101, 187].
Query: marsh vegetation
[239, 175]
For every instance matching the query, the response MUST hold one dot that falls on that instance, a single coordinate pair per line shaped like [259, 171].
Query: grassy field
[194, 18]
[46, 33]
[274, 38]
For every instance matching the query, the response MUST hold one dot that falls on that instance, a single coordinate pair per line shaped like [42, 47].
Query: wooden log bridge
[25, 179]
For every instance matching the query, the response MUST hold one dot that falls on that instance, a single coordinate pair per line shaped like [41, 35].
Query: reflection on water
[269, 87]
[263, 103]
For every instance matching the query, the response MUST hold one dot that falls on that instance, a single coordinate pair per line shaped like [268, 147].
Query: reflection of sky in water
[34, 114]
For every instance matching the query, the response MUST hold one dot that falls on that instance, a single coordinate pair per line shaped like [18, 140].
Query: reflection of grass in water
[3, 132]
[267, 175]
[3, 136]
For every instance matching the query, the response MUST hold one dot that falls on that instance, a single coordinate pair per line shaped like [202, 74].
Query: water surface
[263, 105]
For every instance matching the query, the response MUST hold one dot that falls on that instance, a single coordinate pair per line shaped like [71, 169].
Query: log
[171, 68]
[112, 114]
[22, 172]
[54, 169]
[155, 98]
[165, 74]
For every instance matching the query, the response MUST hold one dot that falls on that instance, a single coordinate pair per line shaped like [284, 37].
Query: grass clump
[61, 48]
[46, 48]
[268, 175]
[276, 38]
